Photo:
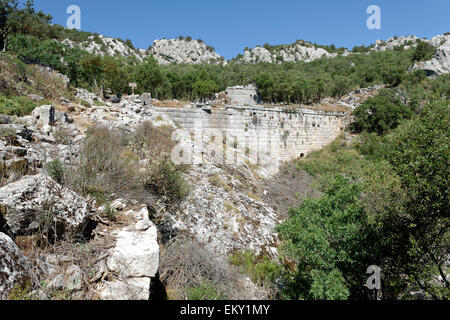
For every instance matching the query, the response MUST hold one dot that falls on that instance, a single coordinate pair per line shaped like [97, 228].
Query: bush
[380, 114]
[189, 269]
[165, 178]
[16, 106]
[103, 162]
[329, 238]
[262, 271]
[205, 291]
[56, 170]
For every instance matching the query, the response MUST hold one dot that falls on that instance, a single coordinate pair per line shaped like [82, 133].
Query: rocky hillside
[299, 51]
[182, 50]
[440, 63]
[102, 45]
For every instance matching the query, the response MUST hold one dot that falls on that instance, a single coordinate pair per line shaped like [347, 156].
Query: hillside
[282, 174]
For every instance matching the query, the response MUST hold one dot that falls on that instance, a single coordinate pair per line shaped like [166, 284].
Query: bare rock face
[38, 202]
[168, 51]
[300, 51]
[134, 259]
[14, 267]
[439, 64]
[101, 45]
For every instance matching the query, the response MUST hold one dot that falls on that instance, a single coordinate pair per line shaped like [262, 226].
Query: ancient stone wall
[279, 132]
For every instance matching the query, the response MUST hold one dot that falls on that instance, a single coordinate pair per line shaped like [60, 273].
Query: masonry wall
[284, 133]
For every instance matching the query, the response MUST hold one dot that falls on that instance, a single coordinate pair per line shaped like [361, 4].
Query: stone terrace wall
[295, 133]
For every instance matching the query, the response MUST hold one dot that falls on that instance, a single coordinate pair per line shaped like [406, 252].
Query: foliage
[16, 106]
[263, 271]
[424, 51]
[165, 178]
[418, 152]
[205, 291]
[329, 238]
[56, 170]
[380, 113]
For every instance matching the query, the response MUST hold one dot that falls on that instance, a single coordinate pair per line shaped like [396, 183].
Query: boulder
[146, 99]
[61, 117]
[14, 267]
[135, 260]
[136, 254]
[45, 114]
[439, 64]
[37, 201]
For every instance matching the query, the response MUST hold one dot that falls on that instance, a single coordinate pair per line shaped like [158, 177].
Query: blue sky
[232, 25]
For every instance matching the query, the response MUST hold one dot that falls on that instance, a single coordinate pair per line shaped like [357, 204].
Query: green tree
[329, 239]
[419, 153]
[149, 76]
[423, 51]
[380, 113]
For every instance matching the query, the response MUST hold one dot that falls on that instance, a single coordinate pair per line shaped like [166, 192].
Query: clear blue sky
[232, 25]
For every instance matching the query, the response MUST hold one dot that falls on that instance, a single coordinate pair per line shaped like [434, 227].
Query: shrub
[380, 114]
[56, 170]
[101, 161]
[187, 267]
[165, 178]
[205, 291]
[329, 238]
[16, 106]
[262, 271]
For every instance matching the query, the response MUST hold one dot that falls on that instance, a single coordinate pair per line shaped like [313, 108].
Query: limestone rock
[27, 201]
[134, 260]
[74, 277]
[299, 51]
[168, 51]
[439, 64]
[14, 267]
[101, 45]
[146, 98]
[45, 115]
[131, 289]
[136, 254]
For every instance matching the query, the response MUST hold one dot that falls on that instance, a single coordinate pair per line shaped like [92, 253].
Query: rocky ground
[71, 247]
[97, 258]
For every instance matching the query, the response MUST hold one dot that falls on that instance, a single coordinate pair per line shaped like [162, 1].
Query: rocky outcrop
[14, 267]
[134, 260]
[300, 51]
[39, 203]
[168, 51]
[391, 43]
[439, 64]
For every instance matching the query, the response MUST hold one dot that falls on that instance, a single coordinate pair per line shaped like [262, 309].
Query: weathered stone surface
[15, 130]
[136, 254]
[58, 283]
[135, 260]
[26, 201]
[241, 95]
[300, 51]
[74, 278]
[146, 98]
[439, 64]
[129, 289]
[183, 51]
[14, 267]
[45, 115]
[108, 46]
[61, 117]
